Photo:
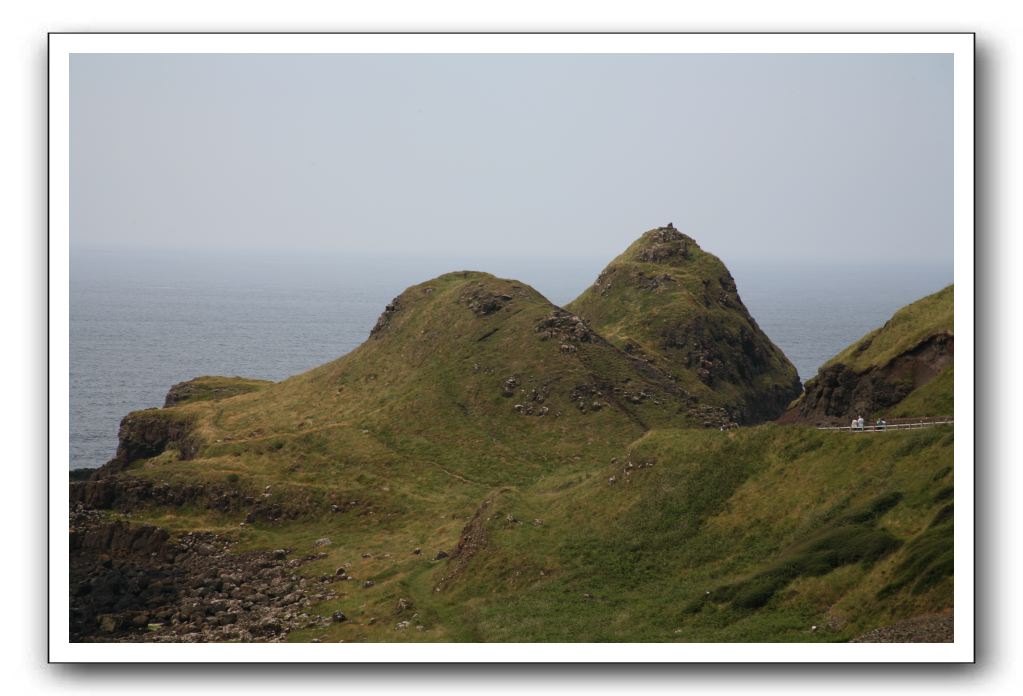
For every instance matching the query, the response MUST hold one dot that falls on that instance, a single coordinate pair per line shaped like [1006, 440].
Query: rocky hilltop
[669, 302]
[904, 368]
[490, 467]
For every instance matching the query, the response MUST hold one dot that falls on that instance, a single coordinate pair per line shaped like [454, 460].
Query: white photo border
[63, 45]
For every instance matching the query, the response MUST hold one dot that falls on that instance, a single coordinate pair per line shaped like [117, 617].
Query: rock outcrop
[135, 583]
[839, 392]
[145, 434]
[884, 368]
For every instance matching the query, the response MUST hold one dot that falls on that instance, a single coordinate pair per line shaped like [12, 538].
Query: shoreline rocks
[135, 583]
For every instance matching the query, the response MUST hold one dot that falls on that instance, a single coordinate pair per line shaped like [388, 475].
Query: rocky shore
[922, 629]
[134, 583]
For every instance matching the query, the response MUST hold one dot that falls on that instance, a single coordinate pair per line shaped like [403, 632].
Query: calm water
[140, 323]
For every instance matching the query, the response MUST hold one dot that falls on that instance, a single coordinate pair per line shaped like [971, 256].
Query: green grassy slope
[671, 302]
[936, 398]
[517, 381]
[785, 527]
[611, 516]
[209, 388]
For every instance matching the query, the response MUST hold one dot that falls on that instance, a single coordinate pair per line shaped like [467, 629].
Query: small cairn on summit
[667, 243]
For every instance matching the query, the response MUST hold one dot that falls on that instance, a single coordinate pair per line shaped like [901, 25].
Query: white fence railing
[873, 428]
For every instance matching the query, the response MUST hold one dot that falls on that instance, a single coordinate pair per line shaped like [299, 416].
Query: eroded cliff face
[145, 434]
[839, 393]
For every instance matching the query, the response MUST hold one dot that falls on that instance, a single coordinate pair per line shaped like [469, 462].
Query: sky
[768, 159]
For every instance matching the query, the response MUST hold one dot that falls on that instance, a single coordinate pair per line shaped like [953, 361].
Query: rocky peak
[665, 245]
[677, 306]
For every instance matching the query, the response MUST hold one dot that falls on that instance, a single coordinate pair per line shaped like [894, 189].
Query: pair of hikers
[857, 424]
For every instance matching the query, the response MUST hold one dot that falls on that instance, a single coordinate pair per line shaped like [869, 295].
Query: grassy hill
[487, 467]
[669, 301]
[464, 362]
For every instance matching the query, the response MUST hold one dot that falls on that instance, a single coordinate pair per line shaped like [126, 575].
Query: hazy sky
[842, 158]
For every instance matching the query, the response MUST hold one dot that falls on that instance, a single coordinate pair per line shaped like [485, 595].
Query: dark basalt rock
[147, 433]
[136, 583]
[839, 393]
[385, 318]
[483, 302]
[125, 492]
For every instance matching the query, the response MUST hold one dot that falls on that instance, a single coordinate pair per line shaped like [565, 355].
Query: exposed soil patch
[472, 540]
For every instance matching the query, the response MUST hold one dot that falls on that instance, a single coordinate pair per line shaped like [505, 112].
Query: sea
[143, 321]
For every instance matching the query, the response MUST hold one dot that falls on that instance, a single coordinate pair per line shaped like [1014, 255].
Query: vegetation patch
[929, 558]
[212, 389]
[852, 539]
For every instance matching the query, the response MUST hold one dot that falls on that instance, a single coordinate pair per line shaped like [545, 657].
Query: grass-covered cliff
[902, 369]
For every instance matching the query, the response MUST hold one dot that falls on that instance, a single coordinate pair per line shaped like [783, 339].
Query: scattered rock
[482, 302]
[135, 583]
[510, 385]
[565, 326]
[921, 629]
[108, 623]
